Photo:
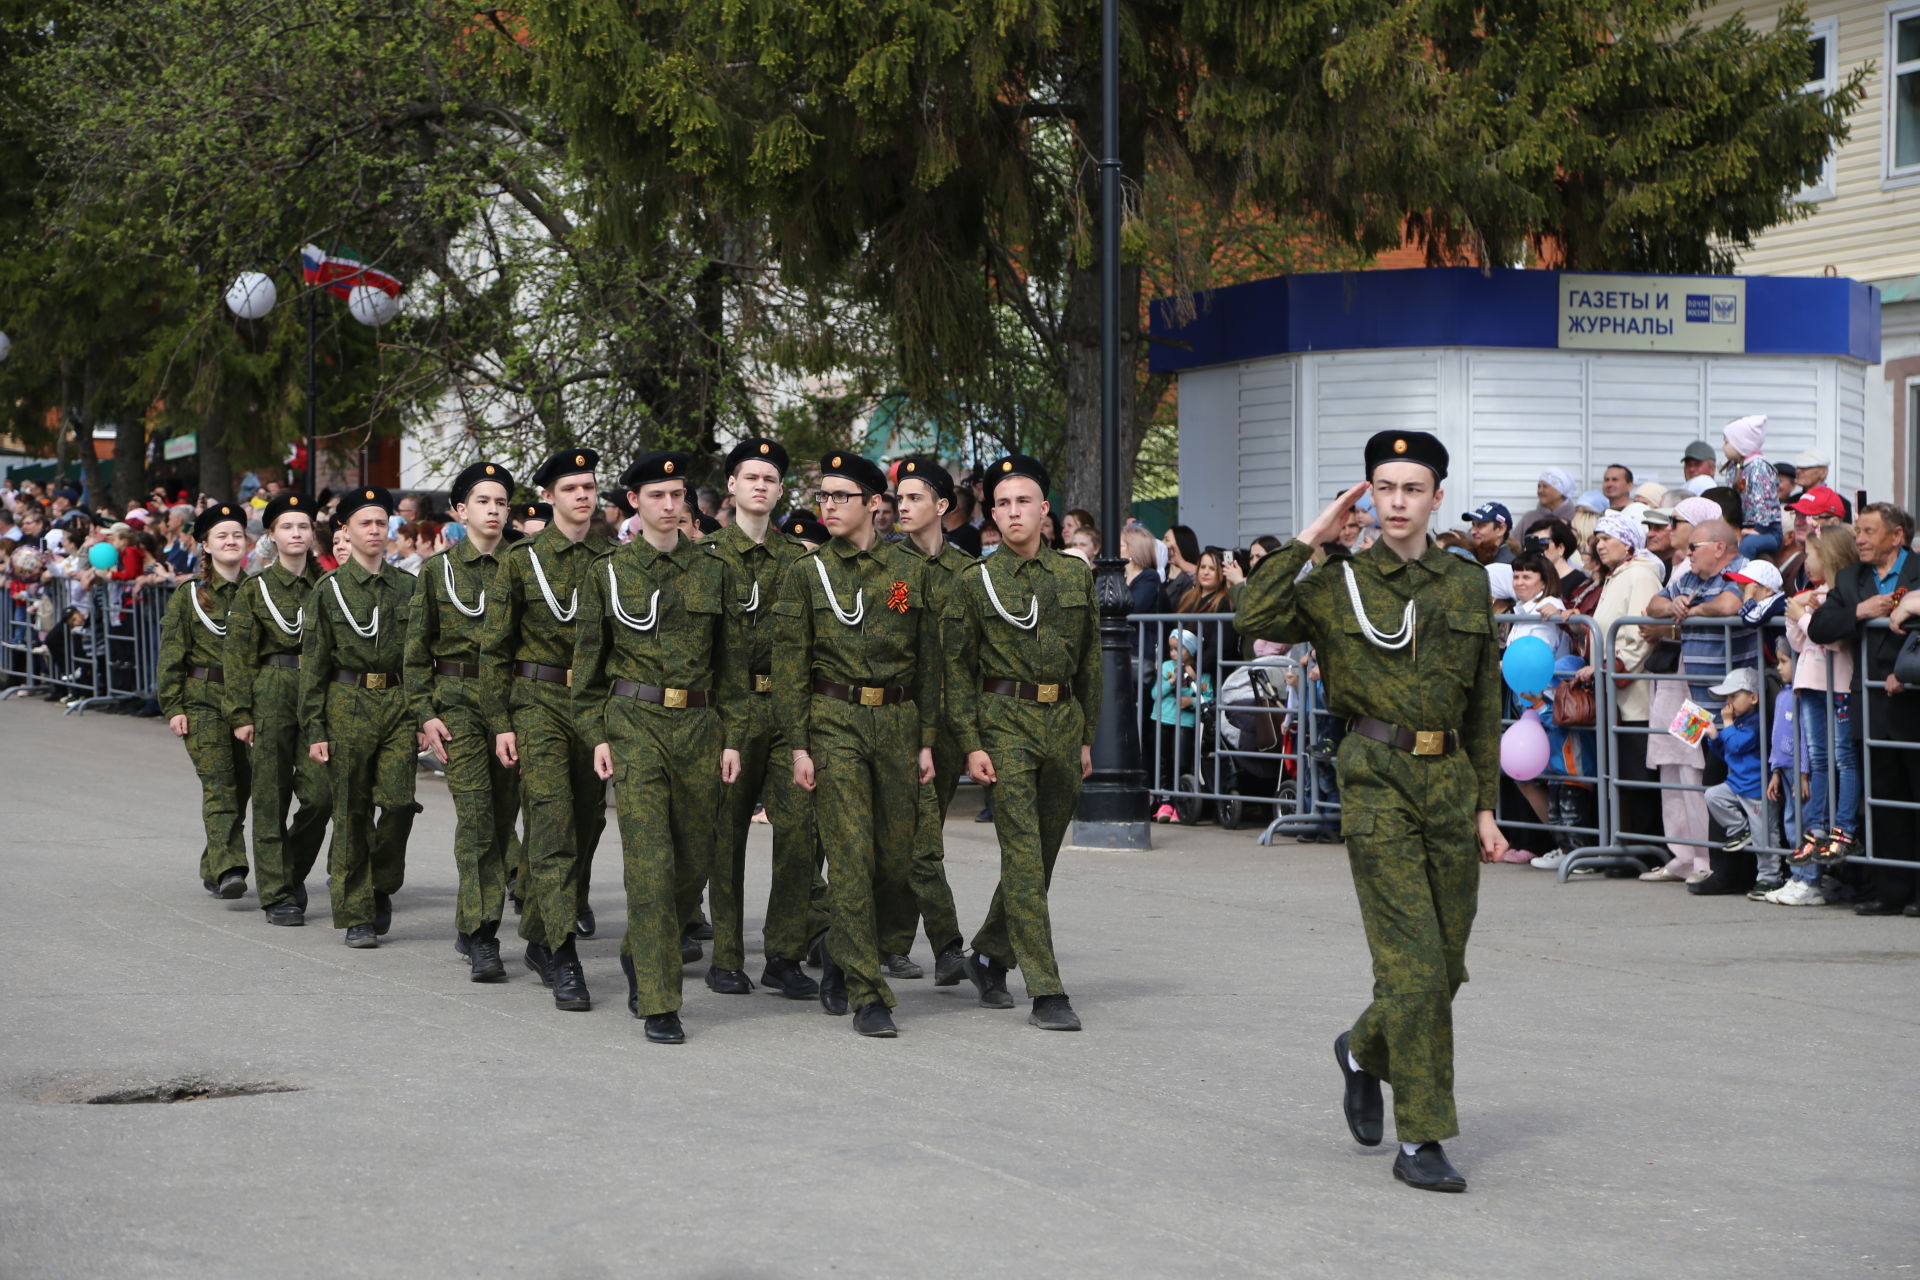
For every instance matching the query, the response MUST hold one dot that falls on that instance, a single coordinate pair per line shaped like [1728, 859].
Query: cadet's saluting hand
[1329, 522]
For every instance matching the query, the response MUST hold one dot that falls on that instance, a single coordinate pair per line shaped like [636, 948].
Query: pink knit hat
[1748, 436]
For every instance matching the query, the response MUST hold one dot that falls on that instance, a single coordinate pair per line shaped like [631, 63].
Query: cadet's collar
[847, 551]
[357, 572]
[281, 575]
[648, 553]
[465, 552]
[550, 541]
[1388, 561]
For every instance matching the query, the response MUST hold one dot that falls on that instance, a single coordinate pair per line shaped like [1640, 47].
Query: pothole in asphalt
[179, 1089]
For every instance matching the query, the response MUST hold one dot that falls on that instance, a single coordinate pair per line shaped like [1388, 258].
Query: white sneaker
[1550, 860]
[1798, 893]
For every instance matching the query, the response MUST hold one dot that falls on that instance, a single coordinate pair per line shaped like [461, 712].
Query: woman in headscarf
[1750, 472]
[1632, 578]
[1177, 695]
[1555, 490]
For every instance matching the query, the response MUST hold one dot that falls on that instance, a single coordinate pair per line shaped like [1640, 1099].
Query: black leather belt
[761, 682]
[1422, 742]
[861, 695]
[281, 660]
[665, 697]
[213, 674]
[552, 675]
[365, 679]
[1030, 692]
[471, 670]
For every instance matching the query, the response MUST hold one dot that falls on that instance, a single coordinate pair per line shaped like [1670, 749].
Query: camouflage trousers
[226, 776]
[566, 812]
[1035, 749]
[666, 790]
[372, 755]
[486, 805]
[928, 872]
[865, 802]
[283, 852]
[766, 776]
[1409, 827]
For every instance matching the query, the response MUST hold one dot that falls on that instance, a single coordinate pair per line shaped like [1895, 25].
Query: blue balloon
[103, 556]
[1527, 666]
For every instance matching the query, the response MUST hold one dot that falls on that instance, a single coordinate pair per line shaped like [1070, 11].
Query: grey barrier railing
[50, 644]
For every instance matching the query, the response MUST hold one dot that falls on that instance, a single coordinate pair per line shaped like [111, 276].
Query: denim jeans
[1761, 542]
[1810, 714]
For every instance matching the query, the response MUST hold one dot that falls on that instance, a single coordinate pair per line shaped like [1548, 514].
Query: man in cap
[853, 679]
[1404, 633]
[1023, 686]
[1822, 506]
[443, 685]
[526, 679]
[658, 689]
[1489, 527]
[1810, 469]
[759, 555]
[1699, 459]
[358, 723]
[925, 495]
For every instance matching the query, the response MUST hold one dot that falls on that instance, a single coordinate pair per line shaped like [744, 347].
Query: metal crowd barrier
[62, 659]
[128, 617]
[1596, 833]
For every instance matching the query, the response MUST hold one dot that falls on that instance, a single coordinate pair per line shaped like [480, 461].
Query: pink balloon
[1524, 749]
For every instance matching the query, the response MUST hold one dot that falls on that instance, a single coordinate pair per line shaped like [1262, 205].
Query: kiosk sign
[1653, 313]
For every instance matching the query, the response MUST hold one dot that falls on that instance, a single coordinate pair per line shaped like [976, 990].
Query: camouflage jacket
[520, 626]
[329, 640]
[1063, 648]
[189, 640]
[267, 600]
[443, 629]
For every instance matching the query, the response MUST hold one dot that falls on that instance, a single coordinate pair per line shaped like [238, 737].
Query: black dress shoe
[950, 966]
[1875, 907]
[874, 1020]
[833, 987]
[540, 960]
[665, 1028]
[1716, 886]
[689, 950]
[484, 959]
[899, 966]
[300, 896]
[210, 887]
[789, 979]
[990, 980]
[1428, 1169]
[985, 814]
[1912, 909]
[633, 984]
[1366, 1115]
[1053, 1013]
[584, 924]
[569, 981]
[361, 937]
[382, 912]
[702, 931]
[286, 913]
[233, 884]
[462, 944]
[728, 982]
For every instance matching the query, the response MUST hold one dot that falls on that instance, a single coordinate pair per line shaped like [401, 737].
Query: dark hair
[1197, 600]
[1728, 499]
[1268, 543]
[1891, 515]
[1188, 542]
[1535, 563]
[893, 502]
[1624, 467]
[1557, 532]
[963, 501]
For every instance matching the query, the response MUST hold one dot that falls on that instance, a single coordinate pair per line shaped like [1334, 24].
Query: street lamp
[6, 347]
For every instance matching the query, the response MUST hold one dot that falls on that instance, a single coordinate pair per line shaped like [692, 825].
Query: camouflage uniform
[1408, 819]
[373, 743]
[566, 811]
[263, 692]
[1034, 744]
[928, 875]
[865, 757]
[486, 793]
[218, 757]
[766, 772]
[673, 626]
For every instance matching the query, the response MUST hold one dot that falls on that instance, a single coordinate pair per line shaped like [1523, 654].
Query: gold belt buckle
[871, 697]
[673, 697]
[376, 679]
[763, 684]
[1429, 742]
[1047, 693]
[569, 677]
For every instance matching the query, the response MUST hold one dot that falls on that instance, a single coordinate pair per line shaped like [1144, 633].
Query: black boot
[300, 896]
[382, 912]
[899, 966]
[569, 980]
[462, 944]
[483, 955]
[833, 985]
[874, 1020]
[233, 884]
[665, 1028]
[361, 937]
[1428, 1169]
[1053, 1013]
[584, 925]
[728, 982]
[287, 913]
[540, 960]
[990, 980]
[789, 979]
[950, 966]
[690, 952]
[1366, 1114]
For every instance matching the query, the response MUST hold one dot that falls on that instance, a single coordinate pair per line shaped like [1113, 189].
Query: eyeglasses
[837, 497]
[1710, 542]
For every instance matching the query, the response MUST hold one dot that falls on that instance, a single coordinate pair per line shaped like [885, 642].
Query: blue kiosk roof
[1465, 307]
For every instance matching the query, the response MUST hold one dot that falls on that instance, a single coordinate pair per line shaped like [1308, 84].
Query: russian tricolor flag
[340, 273]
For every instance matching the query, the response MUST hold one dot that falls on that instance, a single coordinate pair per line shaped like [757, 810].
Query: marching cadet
[1404, 634]
[853, 679]
[805, 529]
[356, 716]
[526, 678]
[759, 556]
[263, 706]
[658, 685]
[529, 518]
[190, 678]
[1023, 697]
[443, 686]
[926, 495]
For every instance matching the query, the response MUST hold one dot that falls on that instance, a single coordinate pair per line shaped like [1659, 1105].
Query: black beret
[284, 503]
[755, 448]
[804, 527]
[1017, 464]
[352, 500]
[618, 497]
[921, 467]
[533, 511]
[851, 466]
[704, 523]
[217, 514]
[473, 475]
[1407, 446]
[569, 461]
[654, 466]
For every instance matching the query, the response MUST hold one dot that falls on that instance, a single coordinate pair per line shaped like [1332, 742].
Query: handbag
[1906, 667]
[1573, 704]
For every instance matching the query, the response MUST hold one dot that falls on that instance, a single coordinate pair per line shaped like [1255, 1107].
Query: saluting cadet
[443, 685]
[853, 680]
[263, 706]
[759, 556]
[189, 677]
[1404, 634]
[925, 496]
[658, 684]
[526, 678]
[1023, 697]
[356, 716]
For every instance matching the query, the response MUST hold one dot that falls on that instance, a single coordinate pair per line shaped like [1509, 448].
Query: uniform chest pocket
[701, 598]
[1072, 598]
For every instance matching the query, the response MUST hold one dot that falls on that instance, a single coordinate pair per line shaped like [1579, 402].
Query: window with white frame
[1823, 76]
[1903, 93]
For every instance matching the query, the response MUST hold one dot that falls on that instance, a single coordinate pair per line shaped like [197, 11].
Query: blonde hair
[1834, 548]
[1138, 544]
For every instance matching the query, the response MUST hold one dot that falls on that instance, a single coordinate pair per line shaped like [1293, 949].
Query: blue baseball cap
[1490, 511]
[1568, 666]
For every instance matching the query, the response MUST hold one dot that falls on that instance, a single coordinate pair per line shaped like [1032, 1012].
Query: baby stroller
[1247, 715]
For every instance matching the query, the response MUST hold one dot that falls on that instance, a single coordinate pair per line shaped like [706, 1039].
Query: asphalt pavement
[1650, 1084]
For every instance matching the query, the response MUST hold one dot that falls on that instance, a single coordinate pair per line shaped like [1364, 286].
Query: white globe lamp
[371, 306]
[252, 295]
[6, 347]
